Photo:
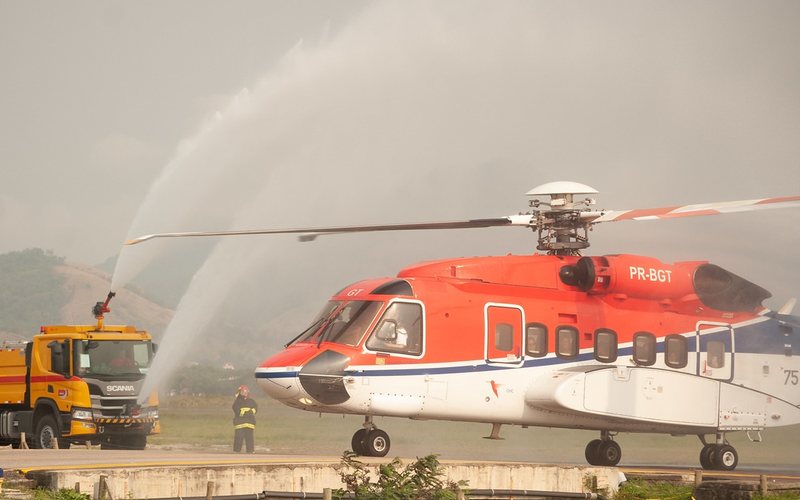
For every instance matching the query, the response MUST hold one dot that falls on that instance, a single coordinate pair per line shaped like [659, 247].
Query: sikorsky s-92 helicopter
[615, 343]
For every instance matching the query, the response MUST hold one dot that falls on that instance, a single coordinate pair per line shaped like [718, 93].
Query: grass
[206, 423]
[638, 489]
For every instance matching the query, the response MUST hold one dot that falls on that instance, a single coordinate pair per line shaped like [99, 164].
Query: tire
[46, 433]
[377, 443]
[136, 442]
[357, 443]
[726, 458]
[609, 453]
[591, 452]
[706, 453]
[109, 443]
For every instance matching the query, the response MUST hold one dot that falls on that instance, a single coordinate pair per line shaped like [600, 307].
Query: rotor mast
[562, 230]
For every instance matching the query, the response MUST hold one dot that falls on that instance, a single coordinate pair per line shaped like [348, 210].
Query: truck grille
[114, 406]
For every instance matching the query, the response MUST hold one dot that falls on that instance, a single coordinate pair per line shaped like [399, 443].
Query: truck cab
[78, 383]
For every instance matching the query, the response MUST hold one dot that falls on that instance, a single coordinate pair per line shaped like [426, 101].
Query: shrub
[421, 480]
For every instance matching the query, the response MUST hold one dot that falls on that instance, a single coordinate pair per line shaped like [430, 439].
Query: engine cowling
[632, 275]
[641, 277]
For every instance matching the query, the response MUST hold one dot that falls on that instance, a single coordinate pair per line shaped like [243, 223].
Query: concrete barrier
[193, 480]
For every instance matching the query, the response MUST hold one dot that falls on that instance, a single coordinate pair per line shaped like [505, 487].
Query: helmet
[243, 390]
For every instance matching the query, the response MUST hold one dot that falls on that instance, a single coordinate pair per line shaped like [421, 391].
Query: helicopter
[614, 343]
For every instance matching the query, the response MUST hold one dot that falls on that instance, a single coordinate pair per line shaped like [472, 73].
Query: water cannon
[101, 308]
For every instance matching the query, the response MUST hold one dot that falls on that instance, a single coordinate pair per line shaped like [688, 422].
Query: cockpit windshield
[341, 322]
[112, 359]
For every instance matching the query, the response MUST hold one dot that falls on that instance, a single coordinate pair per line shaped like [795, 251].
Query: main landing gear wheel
[357, 443]
[376, 443]
[726, 457]
[719, 455]
[591, 451]
[706, 461]
[603, 451]
[371, 443]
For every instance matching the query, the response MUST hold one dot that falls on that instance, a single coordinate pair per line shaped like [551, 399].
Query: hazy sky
[652, 103]
[95, 97]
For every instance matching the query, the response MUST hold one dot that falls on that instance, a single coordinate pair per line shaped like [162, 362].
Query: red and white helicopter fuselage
[617, 343]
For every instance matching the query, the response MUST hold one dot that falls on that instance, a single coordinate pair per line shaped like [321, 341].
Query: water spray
[101, 308]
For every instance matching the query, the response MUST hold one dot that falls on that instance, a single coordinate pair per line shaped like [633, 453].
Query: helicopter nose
[323, 378]
[280, 385]
[319, 379]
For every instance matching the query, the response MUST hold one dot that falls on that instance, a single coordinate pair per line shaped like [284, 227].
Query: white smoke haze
[422, 111]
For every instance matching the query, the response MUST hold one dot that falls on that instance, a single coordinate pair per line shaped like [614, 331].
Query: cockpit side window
[399, 330]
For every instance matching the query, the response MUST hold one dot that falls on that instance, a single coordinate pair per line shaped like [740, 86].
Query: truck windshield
[112, 359]
[341, 322]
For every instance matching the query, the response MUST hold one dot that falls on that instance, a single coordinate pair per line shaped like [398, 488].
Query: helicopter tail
[784, 314]
[788, 307]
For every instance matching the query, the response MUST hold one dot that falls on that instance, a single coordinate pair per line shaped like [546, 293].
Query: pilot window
[341, 322]
[676, 351]
[536, 340]
[504, 337]
[399, 330]
[605, 346]
[566, 342]
[716, 353]
[644, 348]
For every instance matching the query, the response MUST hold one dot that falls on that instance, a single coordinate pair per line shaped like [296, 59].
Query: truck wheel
[138, 442]
[46, 433]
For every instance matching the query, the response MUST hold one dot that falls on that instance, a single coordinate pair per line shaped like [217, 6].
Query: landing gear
[603, 451]
[719, 455]
[370, 441]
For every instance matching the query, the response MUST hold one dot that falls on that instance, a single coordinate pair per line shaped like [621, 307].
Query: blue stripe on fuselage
[765, 337]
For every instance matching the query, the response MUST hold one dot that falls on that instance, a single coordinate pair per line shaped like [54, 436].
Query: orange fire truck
[77, 384]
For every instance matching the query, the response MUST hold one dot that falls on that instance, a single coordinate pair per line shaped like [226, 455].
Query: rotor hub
[558, 220]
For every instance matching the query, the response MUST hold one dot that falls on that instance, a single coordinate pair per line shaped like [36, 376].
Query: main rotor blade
[723, 207]
[309, 233]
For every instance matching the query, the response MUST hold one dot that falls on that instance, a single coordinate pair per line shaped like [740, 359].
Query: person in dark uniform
[244, 419]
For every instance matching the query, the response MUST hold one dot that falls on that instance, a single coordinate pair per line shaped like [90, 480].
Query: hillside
[38, 288]
[86, 285]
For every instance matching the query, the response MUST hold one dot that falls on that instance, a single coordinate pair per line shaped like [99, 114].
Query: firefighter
[244, 419]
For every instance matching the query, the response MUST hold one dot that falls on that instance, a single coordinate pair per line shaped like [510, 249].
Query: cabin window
[644, 348]
[716, 353]
[676, 350]
[504, 337]
[566, 342]
[536, 340]
[399, 330]
[605, 346]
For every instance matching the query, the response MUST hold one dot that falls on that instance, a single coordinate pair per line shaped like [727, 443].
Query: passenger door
[503, 340]
[715, 350]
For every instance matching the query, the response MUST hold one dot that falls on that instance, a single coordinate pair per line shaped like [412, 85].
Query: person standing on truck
[244, 419]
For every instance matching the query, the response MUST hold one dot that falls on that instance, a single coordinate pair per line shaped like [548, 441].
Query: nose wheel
[604, 451]
[370, 441]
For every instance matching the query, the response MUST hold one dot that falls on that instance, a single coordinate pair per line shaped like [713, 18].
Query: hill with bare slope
[38, 288]
[86, 285]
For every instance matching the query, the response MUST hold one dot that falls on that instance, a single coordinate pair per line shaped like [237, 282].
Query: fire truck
[77, 384]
